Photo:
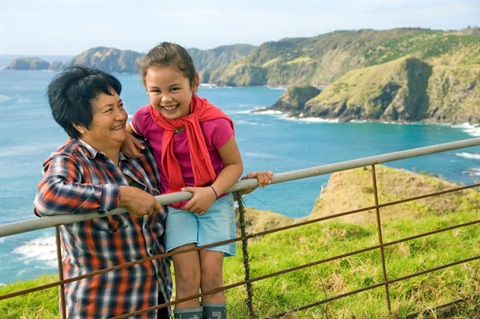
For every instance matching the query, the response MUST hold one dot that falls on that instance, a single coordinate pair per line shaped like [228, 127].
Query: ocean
[267, 140]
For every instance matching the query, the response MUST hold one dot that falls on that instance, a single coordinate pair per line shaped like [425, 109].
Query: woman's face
[107, 131]
[170, 91]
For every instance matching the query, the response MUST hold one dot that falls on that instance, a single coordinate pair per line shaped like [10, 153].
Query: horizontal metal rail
[51, 221]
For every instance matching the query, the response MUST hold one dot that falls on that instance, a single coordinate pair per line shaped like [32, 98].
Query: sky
[68, 27]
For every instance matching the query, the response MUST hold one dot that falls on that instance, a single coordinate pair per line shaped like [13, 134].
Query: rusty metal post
[380, 237]
[63, 306]
[246, 260]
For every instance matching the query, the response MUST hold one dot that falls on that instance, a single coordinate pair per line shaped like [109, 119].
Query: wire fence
[248, 283]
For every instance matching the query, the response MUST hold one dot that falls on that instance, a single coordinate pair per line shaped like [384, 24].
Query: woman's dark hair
[168, 54]
[70, 95]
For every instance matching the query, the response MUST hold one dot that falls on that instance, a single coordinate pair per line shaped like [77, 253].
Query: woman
[89, 173]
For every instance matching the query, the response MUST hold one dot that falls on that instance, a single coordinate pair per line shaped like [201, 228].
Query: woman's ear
[80, 128]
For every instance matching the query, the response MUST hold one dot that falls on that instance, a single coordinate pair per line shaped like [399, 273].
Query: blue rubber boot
[192, 313]
[215, 311]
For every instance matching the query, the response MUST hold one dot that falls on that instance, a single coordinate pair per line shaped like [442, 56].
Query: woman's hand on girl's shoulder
[131, 147]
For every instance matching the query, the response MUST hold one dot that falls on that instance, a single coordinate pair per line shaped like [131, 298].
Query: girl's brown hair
[168, 54]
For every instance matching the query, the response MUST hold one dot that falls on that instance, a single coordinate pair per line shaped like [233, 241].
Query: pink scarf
[200, 111]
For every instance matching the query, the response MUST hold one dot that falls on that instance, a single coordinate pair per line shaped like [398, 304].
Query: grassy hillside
[309, 243]
[321, 60]
[315, 61]
[393, 91]
[403, 90]
[353, 189]
[429, 45]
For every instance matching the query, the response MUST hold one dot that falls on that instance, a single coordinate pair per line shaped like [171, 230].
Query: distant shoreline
[5, 59]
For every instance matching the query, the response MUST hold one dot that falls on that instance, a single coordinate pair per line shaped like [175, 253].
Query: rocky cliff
[33, 63]
[404, 90]
[108, 59]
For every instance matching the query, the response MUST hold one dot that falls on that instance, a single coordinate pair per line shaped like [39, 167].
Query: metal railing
[55, 221]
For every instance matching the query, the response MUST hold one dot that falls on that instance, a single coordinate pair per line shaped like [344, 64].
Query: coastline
[469, 128]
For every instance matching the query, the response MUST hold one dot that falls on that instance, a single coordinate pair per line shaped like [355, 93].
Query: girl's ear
[195, 83]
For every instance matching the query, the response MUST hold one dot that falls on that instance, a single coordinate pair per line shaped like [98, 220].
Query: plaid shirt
[77, 180]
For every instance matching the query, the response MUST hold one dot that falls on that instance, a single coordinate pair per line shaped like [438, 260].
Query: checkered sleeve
[64, 189]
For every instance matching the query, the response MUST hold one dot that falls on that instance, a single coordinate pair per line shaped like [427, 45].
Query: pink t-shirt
[216, 133]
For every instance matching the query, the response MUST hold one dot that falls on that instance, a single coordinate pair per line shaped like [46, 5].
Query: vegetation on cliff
[403, 90]
[352, 189]
[320, 60]
[207, 61]
[401, 75]
[294, 98]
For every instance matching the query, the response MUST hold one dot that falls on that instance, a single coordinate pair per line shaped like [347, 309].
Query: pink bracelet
[213, 189]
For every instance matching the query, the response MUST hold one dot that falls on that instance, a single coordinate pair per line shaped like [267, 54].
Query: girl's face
[170, 91]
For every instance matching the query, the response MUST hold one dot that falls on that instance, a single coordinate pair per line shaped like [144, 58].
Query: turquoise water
[267, 141]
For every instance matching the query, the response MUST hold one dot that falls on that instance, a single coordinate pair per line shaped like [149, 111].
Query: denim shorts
[217, 224]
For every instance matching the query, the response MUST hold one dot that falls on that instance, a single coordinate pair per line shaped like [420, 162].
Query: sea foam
[41, 249]
[469, 129]
[468, 155]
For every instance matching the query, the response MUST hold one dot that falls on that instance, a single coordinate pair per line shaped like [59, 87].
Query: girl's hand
[131, 147]
[202, 200]
[264, 179]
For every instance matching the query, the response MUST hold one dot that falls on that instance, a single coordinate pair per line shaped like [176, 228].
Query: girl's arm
[132, 145]
[203, 197]
[233, 169]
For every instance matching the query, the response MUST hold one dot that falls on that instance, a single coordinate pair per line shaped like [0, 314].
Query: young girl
[194, 144]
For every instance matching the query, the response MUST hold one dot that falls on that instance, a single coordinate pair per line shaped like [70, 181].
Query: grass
[40, 304]
[318, 241]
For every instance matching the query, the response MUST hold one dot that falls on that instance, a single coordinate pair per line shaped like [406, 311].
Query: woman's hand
[138, 202]
[131, 147]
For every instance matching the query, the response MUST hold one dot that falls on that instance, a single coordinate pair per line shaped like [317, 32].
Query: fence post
[246, 261]
[380, 237]
[63, 306]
